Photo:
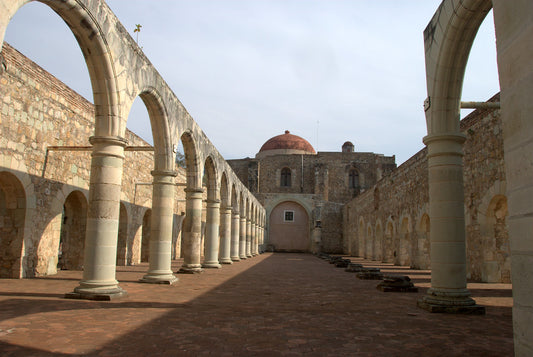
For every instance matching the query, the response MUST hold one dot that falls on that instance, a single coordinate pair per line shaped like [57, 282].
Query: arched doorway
[122, 248]
[72, 238]
[289, 228]
[12, 216]
[145, 241]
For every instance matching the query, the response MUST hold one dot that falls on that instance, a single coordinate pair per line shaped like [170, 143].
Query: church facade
[303, 191]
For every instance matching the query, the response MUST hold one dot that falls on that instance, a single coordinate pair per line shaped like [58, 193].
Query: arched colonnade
[119, 73]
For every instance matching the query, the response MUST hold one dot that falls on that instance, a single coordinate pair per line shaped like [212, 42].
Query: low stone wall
[390, 222]
[46, 223]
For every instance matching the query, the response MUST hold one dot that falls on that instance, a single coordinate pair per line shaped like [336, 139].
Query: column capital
[170, 173]
[108, 146]
[445, 144]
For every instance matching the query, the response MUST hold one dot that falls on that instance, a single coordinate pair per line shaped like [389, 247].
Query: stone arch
[94, 45]
[448, 39]
[422, 260]
[192, 161]
[235, 199]
[12, 219]
[290, 227]
[210, 179]
[146, 232]
[72, 237]
[496, 265]
[225, 191]
[157, 112]
[378, 242]
[403, 253]
[122, 239]
[389, 250]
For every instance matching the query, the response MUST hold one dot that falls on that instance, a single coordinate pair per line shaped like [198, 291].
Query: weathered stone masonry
[39, 112]
[390, 222]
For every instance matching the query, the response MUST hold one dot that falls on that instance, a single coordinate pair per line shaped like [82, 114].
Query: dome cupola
[285, 144]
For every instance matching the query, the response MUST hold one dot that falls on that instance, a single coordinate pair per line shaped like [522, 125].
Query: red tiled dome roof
[287, 141]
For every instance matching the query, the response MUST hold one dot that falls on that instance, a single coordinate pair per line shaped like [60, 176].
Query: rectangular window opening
[288, 216]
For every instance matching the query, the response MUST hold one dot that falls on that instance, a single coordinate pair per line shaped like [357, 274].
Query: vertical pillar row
[248, 238]
[192, 231]
[98, 282]
[225, 236]
[159, 259]
[448, 292]
[235, 228]
[212, 229]
[242, 239]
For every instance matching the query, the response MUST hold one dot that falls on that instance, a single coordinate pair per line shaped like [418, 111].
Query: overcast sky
[327, 70]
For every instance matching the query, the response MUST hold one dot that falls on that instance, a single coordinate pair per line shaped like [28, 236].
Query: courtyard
[275, 304]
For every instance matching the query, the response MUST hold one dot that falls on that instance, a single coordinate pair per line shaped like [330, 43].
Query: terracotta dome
[286, 144]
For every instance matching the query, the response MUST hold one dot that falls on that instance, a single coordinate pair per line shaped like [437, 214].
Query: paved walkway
[271, 305]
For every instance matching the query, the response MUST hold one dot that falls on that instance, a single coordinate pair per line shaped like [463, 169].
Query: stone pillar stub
[225, 236]
[242, 239]
[448, 292]
[212, 229]
[98, 282]
[235, 228]
[160, 271]
[192, 232]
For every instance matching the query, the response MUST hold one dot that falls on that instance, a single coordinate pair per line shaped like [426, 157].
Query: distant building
[303, 191]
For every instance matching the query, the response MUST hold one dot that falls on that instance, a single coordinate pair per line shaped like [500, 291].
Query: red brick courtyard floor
[271, 305]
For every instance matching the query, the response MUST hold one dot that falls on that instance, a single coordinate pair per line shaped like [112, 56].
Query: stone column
[225, 236]
[448, 292]
[192, 231]
[235, 225]
[242, 239]
[256, 240]
[161, 229]
[212, 237]
[98, 282]
[253, 237]
[248, 238]
[514, 30]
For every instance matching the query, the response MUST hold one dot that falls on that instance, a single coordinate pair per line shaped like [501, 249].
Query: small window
[285, 177]
[288, 216]
[353, 179]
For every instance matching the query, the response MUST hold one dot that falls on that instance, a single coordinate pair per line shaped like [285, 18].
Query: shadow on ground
[273, 304]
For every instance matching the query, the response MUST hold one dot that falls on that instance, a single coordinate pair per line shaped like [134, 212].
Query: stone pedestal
[98, 282]
[370, 274]
[448, 291]
[160, 271]
[235, 228]
[212, 242]
[397, 283]
[192, 232]
[225, 236]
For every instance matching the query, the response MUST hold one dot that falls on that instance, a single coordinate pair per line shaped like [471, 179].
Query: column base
[211, 265]
[226, 261]
[248, 256]
[190, 269]
[235, 259]
[450, 302]
[243, 257]
[168, 279]
[107, 294]
[254, 254]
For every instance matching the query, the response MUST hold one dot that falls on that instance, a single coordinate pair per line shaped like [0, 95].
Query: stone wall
[38, 112]
[390, 222]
